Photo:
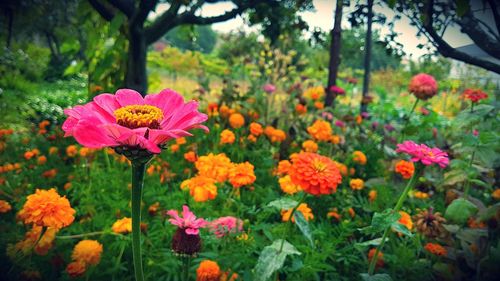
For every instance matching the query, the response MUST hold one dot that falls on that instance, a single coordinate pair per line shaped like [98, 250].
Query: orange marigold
[359, 157]
[405, 169]
[241, 174]
[256, 129]
[310, 146]
[208, 271]
[342, 168]
[251, 138]
[214, 166]
[300, 109]
[71, 150]
[334, 214]
[190, 156]
[5, 206]
[406, 220]
[380, 257]
[357, 184]
[123, 225]
[201, 188]
[76, 269]
[316, 174]
[47, 208]
[236, 120]
[496, 194]
[287, 186]
[41, 160]
[274, 135]
[283, 167]
[436, 249]
[320, 130]
[88, 252]
[421, 195]
[303, 208]
[319, 105]
[372, 195]
[227, 136]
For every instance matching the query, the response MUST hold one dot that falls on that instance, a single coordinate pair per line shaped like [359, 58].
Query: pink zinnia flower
[339, 124]
[269, 88]
[327, 115]
[225, 225]
[188, 222]
[128, 119]
[424, 154]
[474, 95]
[337, 90]
[423, 86]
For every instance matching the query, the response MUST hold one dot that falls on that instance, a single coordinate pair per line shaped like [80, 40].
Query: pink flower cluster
[128, 119]
[424, 154]
[225, 225]
[423, 86]
[188, 222]
[474, 95]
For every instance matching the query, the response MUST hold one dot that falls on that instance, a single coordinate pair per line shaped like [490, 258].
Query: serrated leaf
[283, 204]
[303, 225]
[376, 277]
[272, 259]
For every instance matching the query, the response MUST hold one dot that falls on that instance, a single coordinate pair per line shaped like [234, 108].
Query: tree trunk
[135, 75]
[333, 67]
[368, 55]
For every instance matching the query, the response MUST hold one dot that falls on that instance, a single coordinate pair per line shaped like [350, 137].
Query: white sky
[322, 17]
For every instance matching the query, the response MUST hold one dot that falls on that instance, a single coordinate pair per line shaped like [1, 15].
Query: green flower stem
[467, 181]
[138, 168]
[106, 159]
[398, 206]
[186, 264]
[407, 119]
[289, 222]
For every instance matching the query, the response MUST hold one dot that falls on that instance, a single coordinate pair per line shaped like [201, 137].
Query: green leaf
[376, 277]
[283, 204]
[490, 212]
[272, 259]
[381, 221]
[401, 228]
[303, 225]
[373, 242]
[459, 211]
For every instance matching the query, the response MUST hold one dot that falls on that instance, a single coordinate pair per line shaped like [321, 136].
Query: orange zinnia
[405, 169]
[316, 174]
[241, 174]
[47, 208]
[208, 271]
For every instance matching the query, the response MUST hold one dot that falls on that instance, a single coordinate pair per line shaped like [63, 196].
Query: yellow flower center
[318, 165]
[137, 116]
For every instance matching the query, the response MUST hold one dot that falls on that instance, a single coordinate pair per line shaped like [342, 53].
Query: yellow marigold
[214, 166]
[359, 157]
[406, 220]
[372, 195]
[287, 186]
[357, 184]
[436, 249]
[405, 169]
[319, 105]
[71, 150]
[421, 195]
[310, 146]
[76, 269]
[283, 167]
[274, 135]
[256, 129]
[241, 174]
[227, 136]
[314, 173]
[47, 208]
[236, 120]
[88, 252]
[123, 225]
[208, 271]
[190, 156]
[201, 188]
[314, 93]
[496, 194]
[303, 208]
[320, 130]
[5, 206]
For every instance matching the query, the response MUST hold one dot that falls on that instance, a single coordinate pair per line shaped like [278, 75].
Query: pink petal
[128, 97]
[107, 102]
[88, 132]
[167, 100]
[192, 231]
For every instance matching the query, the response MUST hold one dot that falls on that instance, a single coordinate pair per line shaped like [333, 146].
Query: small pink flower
[424, 154]
[128, 119]
[269, 88]
[327, 115]
[188, 222]
[424, 111]
[423, 86]
[339, 124]
[475, 132]
[337, 90]
[225, 225]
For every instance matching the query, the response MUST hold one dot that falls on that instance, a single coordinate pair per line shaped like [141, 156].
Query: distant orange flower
[380, 257]
[351, 212]
[314, 93]
[372, 195]
[201, 188]
[406, 220]
[47, 208]
[303, 208]
[214, 166]
[335, 139]
[436, 249]
[357, 184]
[283, 167]
[71, 150]
[334, 214]
[123, 225]
[300, 109]
[88, 252]
[496, 194]
[49, 174]
[421, 195]
[310, 146]
[76, 269]
[251, 138]
[41, 160]
[190, 156]
[53, 150]
[274, 135]
[287, 186]
[319, 105]
[227, 137]
[320, 130]
[342, 168]
[241, 174]
[359, 157]
[405, 169]
[236, 120]
[316, 174]
[180, 141]
[5, 206]
[208, 271]
[256, 129]
[175, 147]
[29, 154]
[224, 111]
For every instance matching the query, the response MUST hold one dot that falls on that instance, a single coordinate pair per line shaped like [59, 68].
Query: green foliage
[192, 37]
[272, 258]
[460, 210]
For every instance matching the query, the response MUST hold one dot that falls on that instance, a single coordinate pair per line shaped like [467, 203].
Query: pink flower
[423, 86]
[339, 124]
[225, 225]
[128, 119]
[424, 111]
[327, 115]
[269, 88]
[337, 90]
[474, 95]
[424, 154]
[188, 222]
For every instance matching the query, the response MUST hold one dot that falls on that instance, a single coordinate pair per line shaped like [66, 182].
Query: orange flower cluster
[47, 208]
[210, 271]
[86, 253]
[357, 184]
[320, 130]
[310, 146]
[123, 225]
[303, 208]
[359, 157]
[287, 186]
[314, 173]
[227, 137]
[283, 167]
[71, 150]
[42, 127]
[421, 195]
[242, 174]
[5, 206]
[405, 169]
[190, 156]
[201, 188]
[236, 120]
[406, 220]
[9, 167]
[31, 153]
[214, 166]
[33, 242]
[6, 132]
[275, 135]
[436, 249]
[49, 173]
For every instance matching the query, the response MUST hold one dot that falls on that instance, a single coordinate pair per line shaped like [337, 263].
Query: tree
[368, 54]
[192, 37]
[434, 17]
[335, 44]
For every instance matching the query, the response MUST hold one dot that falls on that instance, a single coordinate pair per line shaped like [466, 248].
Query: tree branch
[163, 23]
[482, 39]
[125, 6]
[189, 18]
[496, 13]
[142, 12]
[102, 10]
